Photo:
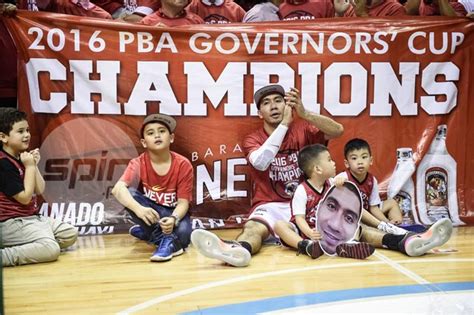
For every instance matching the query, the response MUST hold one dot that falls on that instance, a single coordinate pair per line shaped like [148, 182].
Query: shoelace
[166, 241]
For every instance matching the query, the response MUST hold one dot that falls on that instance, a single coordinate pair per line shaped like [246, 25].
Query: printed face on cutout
[338, 217]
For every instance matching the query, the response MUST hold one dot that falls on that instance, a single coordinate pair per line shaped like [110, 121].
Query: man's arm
[360, 8]
[328, 126]
[446, 9]
[412, 7]
[262, 157]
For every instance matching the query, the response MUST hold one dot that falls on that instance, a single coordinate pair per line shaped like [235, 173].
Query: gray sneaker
[418, 244]
[209, 245]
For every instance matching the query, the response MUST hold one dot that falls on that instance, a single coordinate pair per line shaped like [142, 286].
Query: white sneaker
[391, 229]
[438, 234]
[211, 246]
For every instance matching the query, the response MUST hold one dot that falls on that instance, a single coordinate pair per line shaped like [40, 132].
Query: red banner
[87, 85]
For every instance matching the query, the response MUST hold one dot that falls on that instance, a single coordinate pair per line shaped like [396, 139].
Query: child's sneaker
[310, 248]
[167, 249]
[137, 231]
[418, 244]
[211, 246]
[391, 229]
[355, 250]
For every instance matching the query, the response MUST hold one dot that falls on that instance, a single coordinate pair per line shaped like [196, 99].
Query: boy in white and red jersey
[26, 237]
[358, 159]
[217, 11]
[301, 232]
[156, 190]
[272, 152]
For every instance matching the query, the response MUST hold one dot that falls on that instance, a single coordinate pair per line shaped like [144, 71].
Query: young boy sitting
[301, 232]
[156, 190]
[358, 159]
[26, 237]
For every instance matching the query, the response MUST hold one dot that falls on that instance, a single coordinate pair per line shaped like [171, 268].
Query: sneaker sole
[356, 251]
[209, 245]
[438, 234]
[159, 258]
[315, 250]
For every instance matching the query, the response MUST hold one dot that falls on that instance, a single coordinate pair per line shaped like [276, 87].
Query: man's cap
[267, 90]
[166, 120]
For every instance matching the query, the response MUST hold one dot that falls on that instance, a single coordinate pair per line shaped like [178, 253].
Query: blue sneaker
[167, 249]
[137, 231]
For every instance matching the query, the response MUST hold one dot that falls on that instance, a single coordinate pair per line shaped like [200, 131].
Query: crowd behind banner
[87, 84]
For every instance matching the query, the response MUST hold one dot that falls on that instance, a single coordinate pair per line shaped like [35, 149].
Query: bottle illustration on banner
[436, 183]
[401, 186]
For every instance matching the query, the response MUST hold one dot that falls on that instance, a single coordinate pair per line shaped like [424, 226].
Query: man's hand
[287, 115]
[167, 224]
[7, 9]
[360, 8]
[293, 99]
[131, 18]
[341, 6]
[148, 215]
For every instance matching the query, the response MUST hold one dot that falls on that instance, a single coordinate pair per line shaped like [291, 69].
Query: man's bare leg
[253, 233]
[410, 244]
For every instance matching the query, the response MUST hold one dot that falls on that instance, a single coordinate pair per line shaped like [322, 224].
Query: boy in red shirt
[217, 11]
[156, 190]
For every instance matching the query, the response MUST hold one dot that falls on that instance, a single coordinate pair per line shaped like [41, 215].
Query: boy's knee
[49, 251]
[67, 237]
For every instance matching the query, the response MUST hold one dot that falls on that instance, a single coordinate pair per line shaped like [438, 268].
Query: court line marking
[407, 272]
[170, 296]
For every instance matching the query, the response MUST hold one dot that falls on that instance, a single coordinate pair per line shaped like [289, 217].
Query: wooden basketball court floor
[112, 274]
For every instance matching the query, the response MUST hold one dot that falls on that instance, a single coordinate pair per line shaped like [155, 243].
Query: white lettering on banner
[429, 103]
[403, 93]
[270, 43]
[214, 184]
[231, 82]
[84, 87]
[75, 214]
[152, 73]
[215, 89]
[449, 42]
[93, 230]
[145, 42]
[222, 149]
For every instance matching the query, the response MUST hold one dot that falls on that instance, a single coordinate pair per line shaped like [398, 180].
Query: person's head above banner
[338, 216]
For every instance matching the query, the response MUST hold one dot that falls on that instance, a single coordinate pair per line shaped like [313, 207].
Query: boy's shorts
[270, 213]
